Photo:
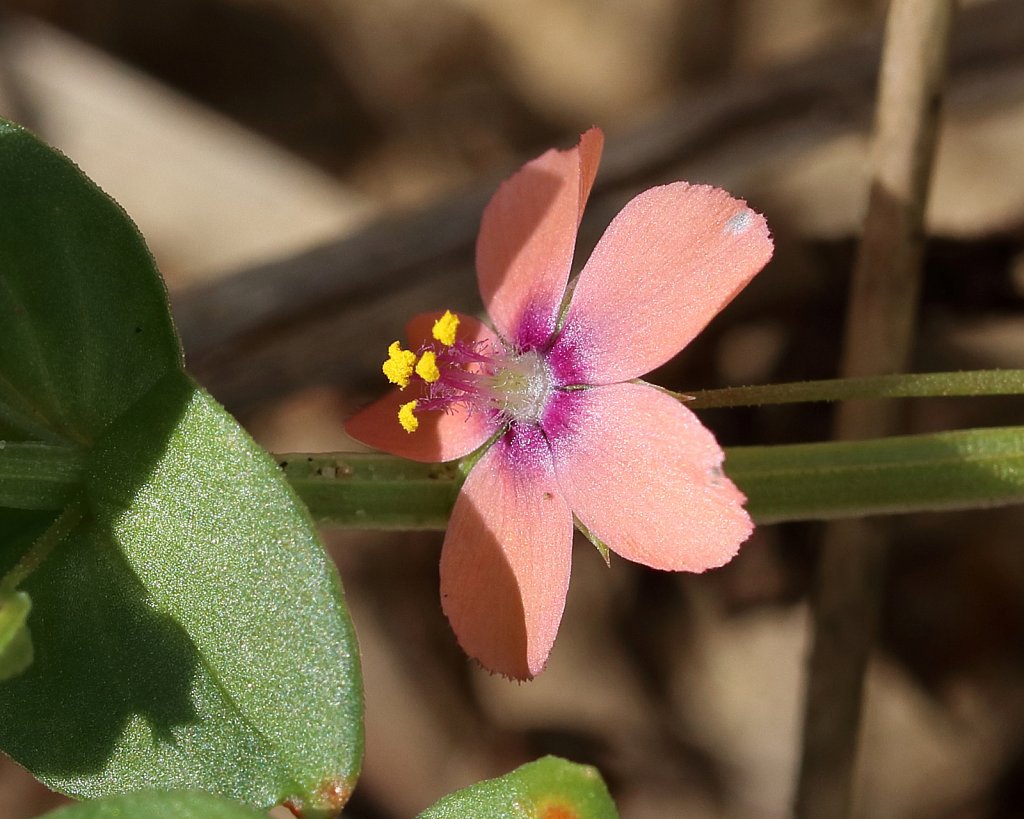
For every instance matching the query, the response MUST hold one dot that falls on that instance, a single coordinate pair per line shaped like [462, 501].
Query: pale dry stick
[879, 329]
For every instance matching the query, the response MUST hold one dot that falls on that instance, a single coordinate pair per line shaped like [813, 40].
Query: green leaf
[550, 788]
[189, 630]
[83, 311]
[15, 643]
[162, 804]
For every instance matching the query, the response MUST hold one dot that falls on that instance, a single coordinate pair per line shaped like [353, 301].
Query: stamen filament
[474, 376]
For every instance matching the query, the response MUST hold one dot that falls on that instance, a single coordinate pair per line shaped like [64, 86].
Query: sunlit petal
[527, 236]
[644, 476]
[506, 557]
[666, 265]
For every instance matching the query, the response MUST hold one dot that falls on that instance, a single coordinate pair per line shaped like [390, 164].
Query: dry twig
[289, 323]
[879, 329]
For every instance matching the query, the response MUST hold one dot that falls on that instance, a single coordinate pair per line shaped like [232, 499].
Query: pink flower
[551, 392]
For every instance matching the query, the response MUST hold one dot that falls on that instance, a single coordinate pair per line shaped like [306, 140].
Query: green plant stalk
[41, 549]
[38, 476]
[973, 468]
[916, 385]
[373, 491]
[966, 469]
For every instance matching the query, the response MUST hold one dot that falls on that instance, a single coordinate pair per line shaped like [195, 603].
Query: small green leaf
[162, 804]
[15, 642]
[550, 788]
[600, 545]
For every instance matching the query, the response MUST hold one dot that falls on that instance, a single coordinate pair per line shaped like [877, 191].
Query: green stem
[41, 548]
[373, 491]
[819, 481]
[921, 385]
[913, 473]
[965, 469]
[38, 476]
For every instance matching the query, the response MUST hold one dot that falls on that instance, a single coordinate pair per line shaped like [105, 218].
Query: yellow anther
[407, 418]
[426, 367]
[399, 366]
[445, 327]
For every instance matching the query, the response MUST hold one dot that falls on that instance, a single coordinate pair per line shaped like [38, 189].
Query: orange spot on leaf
[334, 794]
[557, 811]
[328, 800]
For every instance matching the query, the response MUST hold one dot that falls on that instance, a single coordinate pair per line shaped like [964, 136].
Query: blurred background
[309, 173]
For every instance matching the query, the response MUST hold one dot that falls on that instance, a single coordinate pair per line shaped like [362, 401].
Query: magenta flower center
[484, 379]
[479, 376]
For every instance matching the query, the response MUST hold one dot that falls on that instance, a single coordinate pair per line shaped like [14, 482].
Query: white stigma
[523, 387]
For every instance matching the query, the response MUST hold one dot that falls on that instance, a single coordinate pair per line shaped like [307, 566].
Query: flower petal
[527, 236]
[644, 476]
[441, 436]
[506, 557]
[666, 265]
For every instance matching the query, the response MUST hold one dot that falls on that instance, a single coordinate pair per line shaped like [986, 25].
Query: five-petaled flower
[551, 391]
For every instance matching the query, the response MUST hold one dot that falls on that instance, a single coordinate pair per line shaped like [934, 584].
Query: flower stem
[919, 385]
[41, 548]
[972, 468]
[373, 491]
[965, 469]
[38, 476]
